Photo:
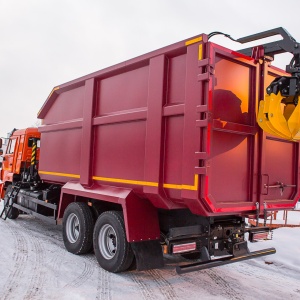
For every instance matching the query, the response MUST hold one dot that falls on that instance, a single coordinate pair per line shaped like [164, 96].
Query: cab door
[9, 159]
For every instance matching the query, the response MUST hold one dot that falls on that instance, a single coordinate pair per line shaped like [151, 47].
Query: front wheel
[78, 228]
[113, 252]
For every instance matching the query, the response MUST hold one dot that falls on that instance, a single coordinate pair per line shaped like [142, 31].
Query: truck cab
[18, 156]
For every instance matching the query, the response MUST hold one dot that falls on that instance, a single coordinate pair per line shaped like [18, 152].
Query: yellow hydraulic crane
[279, 112]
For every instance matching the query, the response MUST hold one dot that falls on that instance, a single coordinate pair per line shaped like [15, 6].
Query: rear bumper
[223, 261]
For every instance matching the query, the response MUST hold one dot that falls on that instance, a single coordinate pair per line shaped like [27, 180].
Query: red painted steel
[176, 126]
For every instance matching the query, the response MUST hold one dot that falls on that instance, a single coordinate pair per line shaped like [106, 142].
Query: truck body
[166, 144]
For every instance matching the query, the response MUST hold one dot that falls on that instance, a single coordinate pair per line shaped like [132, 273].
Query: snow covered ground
[35, 265]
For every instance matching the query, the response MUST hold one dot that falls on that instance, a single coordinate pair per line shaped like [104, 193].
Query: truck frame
[163, 154]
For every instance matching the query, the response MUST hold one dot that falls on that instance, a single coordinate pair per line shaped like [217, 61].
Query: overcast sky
[44, 43]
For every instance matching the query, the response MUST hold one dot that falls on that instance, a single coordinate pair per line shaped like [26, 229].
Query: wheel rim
[107, 241]
[72, 228]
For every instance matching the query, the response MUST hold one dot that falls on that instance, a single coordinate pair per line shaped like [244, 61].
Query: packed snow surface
[35, 265]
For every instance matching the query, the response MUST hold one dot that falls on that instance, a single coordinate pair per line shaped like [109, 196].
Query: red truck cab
[17, 156]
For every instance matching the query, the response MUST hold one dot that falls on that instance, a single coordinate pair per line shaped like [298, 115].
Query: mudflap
[240, 253]
[148, 255]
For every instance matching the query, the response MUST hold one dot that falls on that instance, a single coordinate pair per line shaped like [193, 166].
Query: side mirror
[0, 143]
[1, 151]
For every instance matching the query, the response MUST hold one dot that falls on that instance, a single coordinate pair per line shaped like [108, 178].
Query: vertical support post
[155, 124]
[262, 77]
[257, 214]
[192, 100]
[265, 213]
[86, 140]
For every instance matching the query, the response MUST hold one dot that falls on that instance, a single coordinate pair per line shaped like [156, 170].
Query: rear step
[222, 261]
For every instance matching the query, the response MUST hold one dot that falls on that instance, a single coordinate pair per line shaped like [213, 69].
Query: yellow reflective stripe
[261, 253]
[200, 54]
[134, 182]
[60, 174]
[53, 90]
[183, 186]
[193, 41]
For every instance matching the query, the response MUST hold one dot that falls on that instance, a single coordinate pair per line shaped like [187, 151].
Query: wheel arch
[140, 216]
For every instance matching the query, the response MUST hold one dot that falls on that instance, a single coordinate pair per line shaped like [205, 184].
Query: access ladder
[10, 200]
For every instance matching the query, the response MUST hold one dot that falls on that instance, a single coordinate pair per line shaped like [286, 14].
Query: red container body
[177, 126]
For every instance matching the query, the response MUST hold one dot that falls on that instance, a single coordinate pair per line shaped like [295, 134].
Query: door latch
[279, 185]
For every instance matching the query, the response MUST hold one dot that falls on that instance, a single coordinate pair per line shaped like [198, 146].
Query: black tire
[14, 212]
[113, 252]
[96, 210]
[78, 228]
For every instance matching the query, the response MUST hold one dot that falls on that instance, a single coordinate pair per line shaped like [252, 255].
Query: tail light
[181, 248]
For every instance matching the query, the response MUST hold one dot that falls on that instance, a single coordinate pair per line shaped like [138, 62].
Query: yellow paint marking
[193, 41]
[60, 174]
[53, 90]
[183, 186]
[200, 53]
[134, 182]
[244, 256]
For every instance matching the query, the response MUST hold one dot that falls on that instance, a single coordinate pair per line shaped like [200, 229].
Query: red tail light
[181, 248]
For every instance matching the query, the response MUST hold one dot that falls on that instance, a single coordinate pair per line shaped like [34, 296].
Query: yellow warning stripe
[134, 182]
[200, 53]
[59, 174]
[53, 90]
[193, 41]
[183, 186]
[261, 253]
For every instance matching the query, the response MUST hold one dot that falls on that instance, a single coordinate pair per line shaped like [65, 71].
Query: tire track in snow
[38, 275]
[226, 287]
[83, 277]
[213, 283]
[164, 286]
[145, 290]
[37, 279]
[103, 289]
[104, 283]
[44, 231]
[20, 257]
[56, 264]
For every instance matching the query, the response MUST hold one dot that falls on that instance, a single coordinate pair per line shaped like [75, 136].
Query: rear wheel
[13, 212]
[111, 248]
[78, 228]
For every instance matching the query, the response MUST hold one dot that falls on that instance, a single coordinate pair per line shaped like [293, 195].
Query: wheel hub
[72, 228]
[107, 241]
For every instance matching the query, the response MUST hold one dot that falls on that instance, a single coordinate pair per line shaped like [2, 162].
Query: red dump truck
[166, 153]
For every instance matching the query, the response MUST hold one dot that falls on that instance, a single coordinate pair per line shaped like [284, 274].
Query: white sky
[46, 43]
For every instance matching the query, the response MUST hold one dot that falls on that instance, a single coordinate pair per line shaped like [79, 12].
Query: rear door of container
[243, 162]
[279, 164]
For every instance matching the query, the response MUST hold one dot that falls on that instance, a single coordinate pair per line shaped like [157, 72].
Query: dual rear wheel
[107, 237]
